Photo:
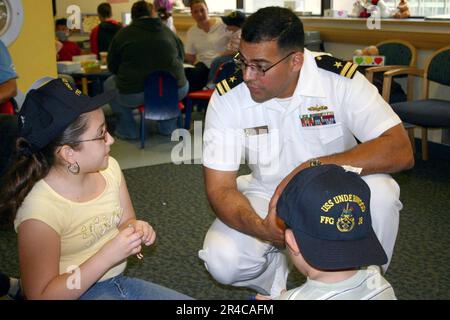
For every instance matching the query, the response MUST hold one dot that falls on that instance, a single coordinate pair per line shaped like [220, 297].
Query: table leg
[84, 86]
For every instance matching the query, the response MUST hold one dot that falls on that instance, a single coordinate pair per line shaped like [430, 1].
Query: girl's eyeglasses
[102, 137]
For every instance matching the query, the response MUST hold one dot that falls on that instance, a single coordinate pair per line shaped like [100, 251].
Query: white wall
[90, 6]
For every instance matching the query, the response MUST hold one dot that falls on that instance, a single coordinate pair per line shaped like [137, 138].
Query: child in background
[166, 18]
[164, 9]
[69, 48]
[102, 35]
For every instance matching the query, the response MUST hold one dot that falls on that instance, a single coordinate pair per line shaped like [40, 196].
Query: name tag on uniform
[256, 131]
[317, 119]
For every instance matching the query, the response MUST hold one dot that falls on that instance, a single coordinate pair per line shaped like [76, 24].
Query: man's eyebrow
[260, 60]
[254, 60]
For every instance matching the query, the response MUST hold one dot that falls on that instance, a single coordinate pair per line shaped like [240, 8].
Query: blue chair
[225, 70]
[160, 100]
[426, 112]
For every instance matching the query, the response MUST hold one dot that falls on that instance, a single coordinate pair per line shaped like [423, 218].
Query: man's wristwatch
[314, 162]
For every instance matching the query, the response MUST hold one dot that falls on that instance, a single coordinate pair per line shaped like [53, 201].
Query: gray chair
[426, 112]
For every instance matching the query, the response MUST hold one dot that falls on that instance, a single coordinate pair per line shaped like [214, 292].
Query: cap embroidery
[343, 198]
[346, 221]
[67, 84]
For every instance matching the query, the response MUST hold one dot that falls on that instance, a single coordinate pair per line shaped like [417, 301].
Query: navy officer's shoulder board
[332, 64]
[229, 83]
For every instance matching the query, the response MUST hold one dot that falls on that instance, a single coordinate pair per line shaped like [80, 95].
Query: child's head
[62, 32]
[234, 21]
[104, 11]
[59, 127]
[163, 14]
[327, 209]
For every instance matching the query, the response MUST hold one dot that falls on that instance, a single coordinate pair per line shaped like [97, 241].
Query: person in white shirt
[206, 40]
[329, 236]
[293, 109]
[234, 22]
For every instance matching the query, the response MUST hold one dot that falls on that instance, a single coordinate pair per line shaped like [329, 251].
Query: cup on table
[103, 58]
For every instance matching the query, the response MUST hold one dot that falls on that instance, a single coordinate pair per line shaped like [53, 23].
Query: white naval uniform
[359, 111]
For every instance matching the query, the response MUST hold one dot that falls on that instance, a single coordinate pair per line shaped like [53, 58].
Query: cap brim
[99, 100]
[340, 255]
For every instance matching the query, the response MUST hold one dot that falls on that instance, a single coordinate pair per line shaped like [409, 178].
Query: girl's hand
[148, 233]
[126, 243]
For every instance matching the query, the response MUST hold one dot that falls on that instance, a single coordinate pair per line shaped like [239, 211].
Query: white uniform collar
[309, 83]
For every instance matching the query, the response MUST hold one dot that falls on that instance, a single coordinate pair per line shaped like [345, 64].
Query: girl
[73, 214]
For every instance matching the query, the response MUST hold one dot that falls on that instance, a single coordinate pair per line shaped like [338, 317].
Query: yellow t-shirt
[83, 227]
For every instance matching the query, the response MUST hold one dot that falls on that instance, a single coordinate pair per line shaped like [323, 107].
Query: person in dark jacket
[102, 35]
[146, 45]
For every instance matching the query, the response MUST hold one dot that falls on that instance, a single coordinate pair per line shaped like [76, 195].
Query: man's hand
[275, 229]
[279, 190]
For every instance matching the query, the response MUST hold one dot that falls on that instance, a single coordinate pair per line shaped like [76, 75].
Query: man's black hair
[104, 10]
[141, 9]
[275, 23]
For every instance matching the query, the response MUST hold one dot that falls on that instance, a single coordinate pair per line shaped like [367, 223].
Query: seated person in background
[8, 76]
[329, 236]
[8, 122]
[166, 18]
[164, 9]
[206, 40]
[69, 48]
[145, 46]
[72, 212]
[234, 22]
[102, 35]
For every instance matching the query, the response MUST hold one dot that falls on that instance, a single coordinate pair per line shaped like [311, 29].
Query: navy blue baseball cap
[48, 110]
[328, 210]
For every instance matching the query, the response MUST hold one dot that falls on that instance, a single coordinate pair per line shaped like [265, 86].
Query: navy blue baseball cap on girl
[48, 110]
[328, 210]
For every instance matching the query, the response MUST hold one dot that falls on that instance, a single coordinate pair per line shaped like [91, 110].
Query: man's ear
[297, 61]
[291, 242]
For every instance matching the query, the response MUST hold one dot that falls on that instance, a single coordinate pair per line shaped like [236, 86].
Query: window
[312, 6]
[418, 8]
[424, 8]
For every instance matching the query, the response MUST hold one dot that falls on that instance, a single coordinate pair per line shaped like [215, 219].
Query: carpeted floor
[172, 199]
